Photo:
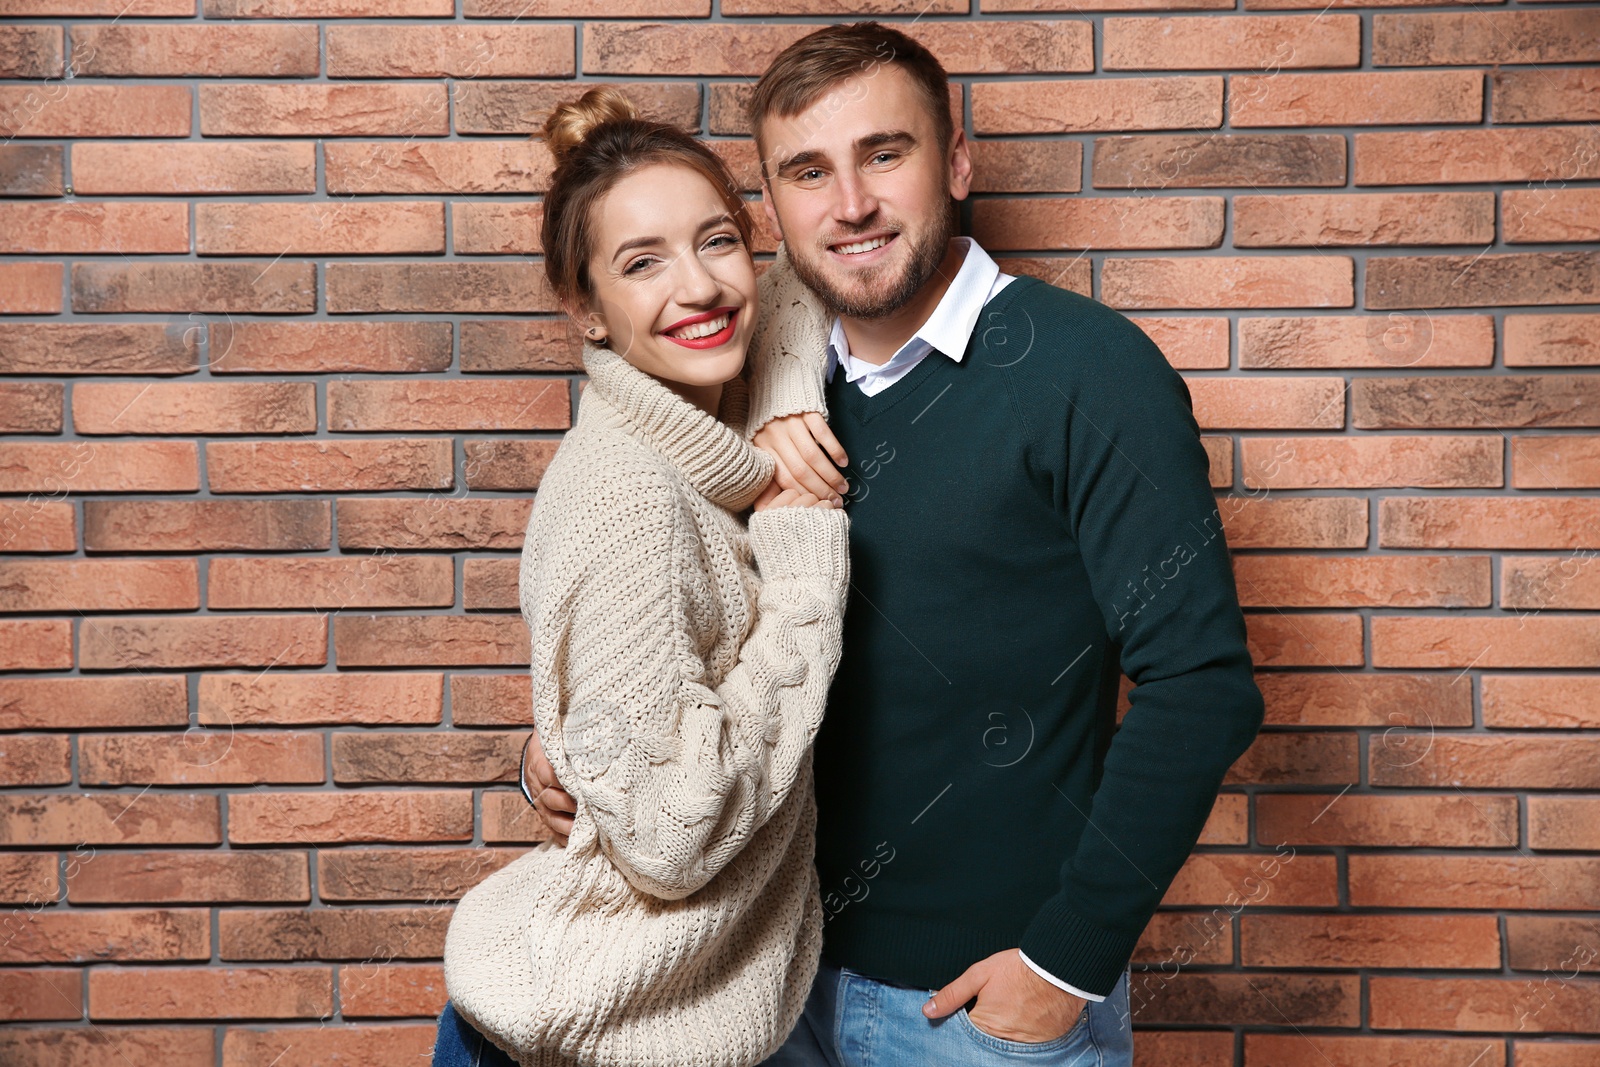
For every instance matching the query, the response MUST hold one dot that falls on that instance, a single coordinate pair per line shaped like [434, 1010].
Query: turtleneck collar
[711, 453]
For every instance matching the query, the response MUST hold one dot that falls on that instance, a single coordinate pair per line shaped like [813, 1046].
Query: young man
[1031, 518]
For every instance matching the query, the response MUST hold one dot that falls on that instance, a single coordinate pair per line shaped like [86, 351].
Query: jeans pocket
[1005, 1044]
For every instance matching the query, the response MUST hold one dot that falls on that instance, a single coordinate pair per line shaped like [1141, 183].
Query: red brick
[497, 229]
[195, 49]
[1392, 340]
[1267, 403]
[109, 935]
[1563, 461]
[1485, 1004]
[1303, 880]
[1488, 401]
[841, 7]
[1412, 821]
[1222, 42]
[1452, 942]
[521, 107]
[1365, 1051]
[99, 467]
[1484, 37]
[319, 229]
[447, 167]
[1229, 281]
[1078, 6]
[195, 168]
[1548, 701]
[1114, 104]
[326, 9]
[437, 523]
[480, 9]
[256, 876]
[1363, 219]
[40, 993]
[1571, 823]
[1294, 581]
[37, 525]
[328, 466]
[330, 348]
[1271, 999]
[1552, 340]
[1534, 583]
[1026, 166]
[430, 640]
[1372, 462]
[1483, 280]
[1189, 343]
[32, 407]
[503, 404]
[348, 697]
[210, 993]
[1398, 701]
[80, 585]
[1355, 98]
[259, 818]
[1305, 640]
[434, 874]
[1433, 157]
[35, 644]
[1216, 160]
[517, 288]
[1460, 641]
[194, 407]
[409, 756]
[390, 581]
[1295, 522]
[1101, 222]
[36, 762]
[206, 525]
[1488, 522]
[1301, 758]
[331, 110]
[130, 8]
[31, 170]
[204, 641]
[1521, 883]
[76, 821]
[491, 700]
[1550, 215]
[186, 288]
[31, 51]
[201, 757]
[1541, 94]
[392, 990]
[127, 227]
[72, 111]
[60, 349]
[30, 288]
[93, 703]
[451, 51]
[332, 933]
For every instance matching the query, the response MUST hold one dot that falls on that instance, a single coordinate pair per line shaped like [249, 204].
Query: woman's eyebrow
[643, 242]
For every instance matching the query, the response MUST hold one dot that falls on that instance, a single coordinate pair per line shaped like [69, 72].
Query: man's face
[857, 188]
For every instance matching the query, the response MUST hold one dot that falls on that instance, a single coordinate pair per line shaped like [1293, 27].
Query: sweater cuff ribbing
[811, 544]
[1075, 950]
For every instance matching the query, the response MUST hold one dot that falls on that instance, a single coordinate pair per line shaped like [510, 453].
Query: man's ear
[768, 209]
[960, 163]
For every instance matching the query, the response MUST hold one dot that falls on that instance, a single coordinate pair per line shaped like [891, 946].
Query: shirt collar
[950, 326]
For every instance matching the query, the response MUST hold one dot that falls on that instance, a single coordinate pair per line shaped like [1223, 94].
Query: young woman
[681, 655]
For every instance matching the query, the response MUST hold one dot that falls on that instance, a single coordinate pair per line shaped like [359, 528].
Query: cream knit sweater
[681, 663]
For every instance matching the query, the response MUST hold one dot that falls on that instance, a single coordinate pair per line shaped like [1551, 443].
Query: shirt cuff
[1058, 983]
[522, 774]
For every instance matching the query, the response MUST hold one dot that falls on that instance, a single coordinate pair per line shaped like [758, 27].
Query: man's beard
[926, 255]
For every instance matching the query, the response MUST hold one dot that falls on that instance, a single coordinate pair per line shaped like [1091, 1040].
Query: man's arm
[1133, 489]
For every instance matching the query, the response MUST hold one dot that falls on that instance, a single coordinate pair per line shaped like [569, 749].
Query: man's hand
[798, 442]
[1014, 1003]
[554, 804]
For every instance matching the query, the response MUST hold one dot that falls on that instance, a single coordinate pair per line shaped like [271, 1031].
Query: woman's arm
[788, 352]
[677, 775]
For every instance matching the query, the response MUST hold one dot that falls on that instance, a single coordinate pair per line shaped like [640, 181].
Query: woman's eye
[642, 261]
[726, 239]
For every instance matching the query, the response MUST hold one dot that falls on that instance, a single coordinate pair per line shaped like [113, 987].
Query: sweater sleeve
[676, 774]
[1133, 486]
[788, 352]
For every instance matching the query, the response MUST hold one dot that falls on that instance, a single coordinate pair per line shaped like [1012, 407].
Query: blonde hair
[596, 140]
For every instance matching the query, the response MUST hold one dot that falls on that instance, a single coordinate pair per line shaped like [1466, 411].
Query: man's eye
[809, 174]
[882, 156]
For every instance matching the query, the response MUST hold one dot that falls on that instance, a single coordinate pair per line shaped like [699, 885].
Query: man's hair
[817, 62]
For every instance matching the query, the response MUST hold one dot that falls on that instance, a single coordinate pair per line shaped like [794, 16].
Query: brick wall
[281, 372]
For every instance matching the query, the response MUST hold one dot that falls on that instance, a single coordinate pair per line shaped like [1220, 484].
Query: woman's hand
[774, 496]
[554, 804]
[803, 445]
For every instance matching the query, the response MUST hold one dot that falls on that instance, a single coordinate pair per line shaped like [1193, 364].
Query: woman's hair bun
[570, 123]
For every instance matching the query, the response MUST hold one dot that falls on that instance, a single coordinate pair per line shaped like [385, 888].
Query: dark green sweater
[1025, 525]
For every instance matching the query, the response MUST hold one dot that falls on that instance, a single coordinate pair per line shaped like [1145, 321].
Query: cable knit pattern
[681, 662]
[789, 351]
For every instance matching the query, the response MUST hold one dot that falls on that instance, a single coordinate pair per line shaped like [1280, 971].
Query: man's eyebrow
[872, 140]
[644, 242]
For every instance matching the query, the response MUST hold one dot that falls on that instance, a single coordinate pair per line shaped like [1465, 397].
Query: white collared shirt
[947, 330]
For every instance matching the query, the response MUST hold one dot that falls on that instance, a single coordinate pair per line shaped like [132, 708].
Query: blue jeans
[459, 1044]
[851, 1020]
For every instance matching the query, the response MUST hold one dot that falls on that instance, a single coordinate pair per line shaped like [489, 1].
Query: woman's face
[674, 286]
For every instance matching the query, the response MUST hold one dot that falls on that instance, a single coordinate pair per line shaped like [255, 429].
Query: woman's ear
[592, 323]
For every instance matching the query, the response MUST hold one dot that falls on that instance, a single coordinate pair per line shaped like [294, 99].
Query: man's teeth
[701, 329]
[862, 246]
